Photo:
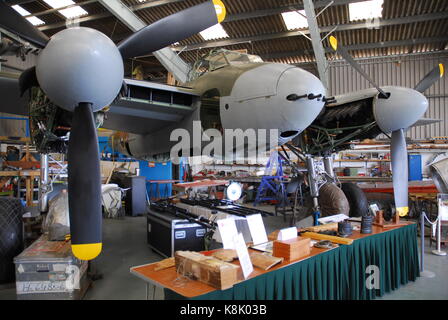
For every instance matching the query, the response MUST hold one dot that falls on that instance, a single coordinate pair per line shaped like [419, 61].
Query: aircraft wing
[353, 97]
[146, 107]
[149, 106]
[10, 100]
[426, 122]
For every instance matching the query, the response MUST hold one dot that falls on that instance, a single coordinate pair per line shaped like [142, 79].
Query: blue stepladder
[273, 185]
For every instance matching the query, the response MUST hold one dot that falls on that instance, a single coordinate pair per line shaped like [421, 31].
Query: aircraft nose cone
[298, 114]
[401, 110]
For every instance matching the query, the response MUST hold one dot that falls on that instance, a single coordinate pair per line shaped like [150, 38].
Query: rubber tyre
[332, 200]
[11, 237]
[359, 205]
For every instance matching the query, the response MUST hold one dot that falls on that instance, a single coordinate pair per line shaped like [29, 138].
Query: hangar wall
[15, 128]
[404, 71]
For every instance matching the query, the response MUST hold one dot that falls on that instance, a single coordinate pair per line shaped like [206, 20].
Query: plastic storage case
[47, 270]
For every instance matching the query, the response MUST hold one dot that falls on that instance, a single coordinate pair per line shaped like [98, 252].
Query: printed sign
[243, 255]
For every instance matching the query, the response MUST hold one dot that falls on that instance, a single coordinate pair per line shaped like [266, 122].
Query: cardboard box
[292, 249]
[207, 269]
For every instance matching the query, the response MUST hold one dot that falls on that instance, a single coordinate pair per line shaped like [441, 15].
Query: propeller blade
[84, 185]
[173, 28]
[11, 100]
[13, 22]
[399, 155]
[347, 57]
[28, 79]
[430, 78]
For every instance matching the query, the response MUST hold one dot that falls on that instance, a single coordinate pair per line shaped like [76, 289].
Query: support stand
[441, 199]
[314, 188]
[379, 221]
[44, 183]
[438, 251]
[423, 273]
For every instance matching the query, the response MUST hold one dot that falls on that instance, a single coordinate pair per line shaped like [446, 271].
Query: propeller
[81, 70]
[344, 53]
[430, 78]
[173, 27]
[395, 110]
[399, 158]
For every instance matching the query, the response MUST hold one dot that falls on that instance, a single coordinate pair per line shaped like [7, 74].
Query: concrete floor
[125, 246]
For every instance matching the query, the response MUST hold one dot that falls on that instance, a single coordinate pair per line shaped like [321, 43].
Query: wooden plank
[227, 255]
[319, 236]
[29, 192]
[264, 261]
[164, 264]
[26, 173]
[323, 227]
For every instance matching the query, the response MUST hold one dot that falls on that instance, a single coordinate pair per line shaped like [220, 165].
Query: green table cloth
[336, 274]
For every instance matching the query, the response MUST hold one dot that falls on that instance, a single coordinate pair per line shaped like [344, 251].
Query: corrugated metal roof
[291, 49]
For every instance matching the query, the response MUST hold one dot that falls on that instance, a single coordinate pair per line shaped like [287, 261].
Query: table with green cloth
[336, 274]
[342, 273]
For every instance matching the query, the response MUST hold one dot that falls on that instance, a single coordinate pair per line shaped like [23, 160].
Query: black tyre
[332, 200]
[11, 237]
[359, 206]
[384, 201]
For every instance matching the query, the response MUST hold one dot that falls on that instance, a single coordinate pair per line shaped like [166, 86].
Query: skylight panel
[73, 12]
[215, 32]
[59, 3]
[366, 10]
[34, 20]
[69, 13]
[294, 20]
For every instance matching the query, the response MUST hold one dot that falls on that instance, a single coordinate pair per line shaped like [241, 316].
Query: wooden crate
[214, 272]
[292, 249]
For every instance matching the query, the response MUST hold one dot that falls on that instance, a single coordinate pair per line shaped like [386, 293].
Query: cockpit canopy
[220, 58]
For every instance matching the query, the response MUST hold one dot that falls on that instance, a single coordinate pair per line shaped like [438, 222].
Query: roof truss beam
[363, 46]
[233, 17]
[342, 27]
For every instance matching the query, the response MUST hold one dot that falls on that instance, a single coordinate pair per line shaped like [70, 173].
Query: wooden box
[216, 273]
[292, 249]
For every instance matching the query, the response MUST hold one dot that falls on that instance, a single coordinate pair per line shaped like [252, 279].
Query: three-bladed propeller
[395, 110]
[81, 70]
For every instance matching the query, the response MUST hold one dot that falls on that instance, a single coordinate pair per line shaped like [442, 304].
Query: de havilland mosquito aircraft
[71, 87]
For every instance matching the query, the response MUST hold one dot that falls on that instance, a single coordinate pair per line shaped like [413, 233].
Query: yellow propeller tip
[402, 211]
[88, 251]
[220, 9]
[442, 69]
[334, 43]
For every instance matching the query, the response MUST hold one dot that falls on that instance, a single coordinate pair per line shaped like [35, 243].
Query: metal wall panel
[8, 127]
[406, 71]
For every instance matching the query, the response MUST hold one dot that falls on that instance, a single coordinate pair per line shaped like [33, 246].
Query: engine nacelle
[259, 100]
[402, 109]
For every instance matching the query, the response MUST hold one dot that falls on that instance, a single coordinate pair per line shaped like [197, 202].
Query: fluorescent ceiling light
[34, 20]
[69, 13]
[215, 32]
[294, 20]
[366, 10]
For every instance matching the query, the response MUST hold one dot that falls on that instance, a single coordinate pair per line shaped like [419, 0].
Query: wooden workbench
[29, 175]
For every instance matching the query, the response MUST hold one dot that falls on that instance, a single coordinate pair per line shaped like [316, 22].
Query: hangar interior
[94, 92]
